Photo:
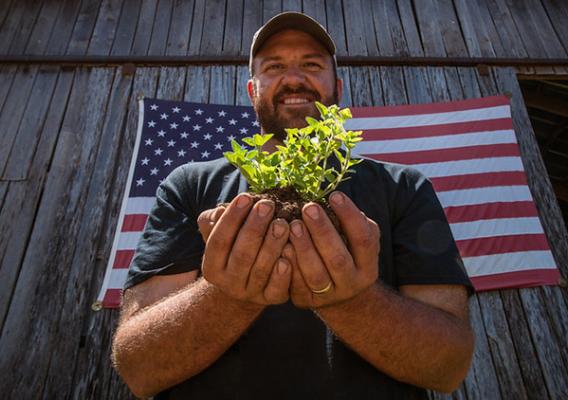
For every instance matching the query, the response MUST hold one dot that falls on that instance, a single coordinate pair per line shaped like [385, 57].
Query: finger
[278, 289]
[248, 242]
[329, 244]
[308, 259]
[207, 220]
[223, 234]
[300, 294]
[274, 241]
[362, 233]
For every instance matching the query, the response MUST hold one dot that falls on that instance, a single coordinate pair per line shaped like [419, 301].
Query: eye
[312, 66]
[274, 67]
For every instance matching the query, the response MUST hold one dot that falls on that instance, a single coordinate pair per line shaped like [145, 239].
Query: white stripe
[465, 167]
[495, 227]
[403, 121]
[117, 278]
[128, 240]
[454, 198]
[435, 142]
[508, 262]
[140, 205]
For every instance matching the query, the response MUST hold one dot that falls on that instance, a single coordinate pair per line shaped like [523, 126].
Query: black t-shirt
[289, 353]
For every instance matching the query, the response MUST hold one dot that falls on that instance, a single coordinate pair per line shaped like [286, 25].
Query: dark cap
[290, 20]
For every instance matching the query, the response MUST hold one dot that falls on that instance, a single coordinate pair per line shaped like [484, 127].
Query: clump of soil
[288, 205]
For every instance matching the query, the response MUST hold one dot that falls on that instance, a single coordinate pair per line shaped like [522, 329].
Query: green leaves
[302, 161]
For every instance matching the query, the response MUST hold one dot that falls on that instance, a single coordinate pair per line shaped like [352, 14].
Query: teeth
[295, 101]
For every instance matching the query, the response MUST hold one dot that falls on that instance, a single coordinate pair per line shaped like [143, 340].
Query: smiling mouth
[295, 100]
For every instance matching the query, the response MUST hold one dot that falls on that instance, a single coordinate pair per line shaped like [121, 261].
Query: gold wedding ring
[324, 290]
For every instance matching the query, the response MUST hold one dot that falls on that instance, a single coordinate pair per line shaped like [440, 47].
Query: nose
[293, 76]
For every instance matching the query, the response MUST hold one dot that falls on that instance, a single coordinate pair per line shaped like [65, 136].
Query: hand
[242, 251]
[322, 262]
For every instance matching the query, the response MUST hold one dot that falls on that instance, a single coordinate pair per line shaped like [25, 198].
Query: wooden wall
[66, 135]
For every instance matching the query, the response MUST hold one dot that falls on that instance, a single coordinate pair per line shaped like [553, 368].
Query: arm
[426, 345]
[171, 329]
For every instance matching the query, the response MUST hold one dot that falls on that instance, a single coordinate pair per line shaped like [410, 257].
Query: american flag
[467, 148]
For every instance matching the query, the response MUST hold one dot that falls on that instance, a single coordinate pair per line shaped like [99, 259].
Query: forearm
[408, 340]
[178, 337]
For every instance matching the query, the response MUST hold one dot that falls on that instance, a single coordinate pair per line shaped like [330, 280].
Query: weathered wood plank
[212, 40]
[197, 27]
[197, 84]
[13, 110]
[105, 27]
[360, 85]
[394, 91]
[252, 20]
[29, 131]
[11, 25]
[5, 12]
[178, 37]
[171, 83]
[83, 28]
[479, 33]
[25, 28]
[409, 25]
[388, 28]
[222, 85]
[42, 28]
[126, 28]
[344, 74]
[556, 304]
[7, 77]
[354, 29]
[506, 28]
[316, 10]
[38, 298]
[63, 27]
[376, 86]
[81, 285]
[144, 28]
[270, 8]
[162, 21]
[241, 97]
[292, 5]
[336, 25]
[448, 22]
[232, 36]
[417, 85]
[557, 11]
[432, 40]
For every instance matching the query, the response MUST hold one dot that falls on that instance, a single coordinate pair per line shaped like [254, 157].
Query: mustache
[288, 90]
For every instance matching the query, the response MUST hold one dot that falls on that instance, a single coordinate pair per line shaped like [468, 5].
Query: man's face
[292, 71]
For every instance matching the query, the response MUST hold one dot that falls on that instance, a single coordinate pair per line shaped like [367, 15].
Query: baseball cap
[290, 20]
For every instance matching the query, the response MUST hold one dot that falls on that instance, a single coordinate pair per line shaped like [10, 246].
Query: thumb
[207, 220]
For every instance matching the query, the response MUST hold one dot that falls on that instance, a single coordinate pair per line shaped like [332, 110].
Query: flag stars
[154, 171]
[209, 120]
[207, 136]
[199, 111]
[148, 142]
[245, 115]
[232, 121]
[186, 118]
[158, 152]
[255, 123]
[218, 146]
[173, 125]
[220, 129]
[161, 133]
[171, 143]
[140, 182]
[145, 161]
[167, 162]
[176, 110]
[154, 107]
[221, 113]
[184, 135]
[151, 124]
[243, 131]
[164, 116]
[181, 153]
[230, 138]
[205, 154]
[196, 127]
[194, 145]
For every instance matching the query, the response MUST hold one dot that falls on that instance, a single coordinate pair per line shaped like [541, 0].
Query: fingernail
[281, 267]
[278, 228]
[336, 198]
[297, 229]
[312, 211]
[263, 209]
[243, 201]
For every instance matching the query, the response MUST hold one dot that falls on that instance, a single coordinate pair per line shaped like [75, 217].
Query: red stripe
[413, 109]
[452, 154]
[517, 279]
[134, 222]
[112, 298]
[487, 179]
[123, 259]
[411, 132]
[502, 244]
[516, 209]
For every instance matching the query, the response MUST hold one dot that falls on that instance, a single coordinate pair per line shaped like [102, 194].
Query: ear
[339, 84]
[251, 91]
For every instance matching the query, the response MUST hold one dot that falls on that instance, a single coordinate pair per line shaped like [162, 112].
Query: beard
[273, 119]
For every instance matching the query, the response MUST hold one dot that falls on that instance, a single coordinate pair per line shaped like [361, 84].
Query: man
[289, 310]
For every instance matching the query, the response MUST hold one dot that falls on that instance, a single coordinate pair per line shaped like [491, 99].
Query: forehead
[291, 41]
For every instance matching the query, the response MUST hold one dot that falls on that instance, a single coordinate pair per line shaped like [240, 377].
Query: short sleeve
[424, 248]
[171, 242]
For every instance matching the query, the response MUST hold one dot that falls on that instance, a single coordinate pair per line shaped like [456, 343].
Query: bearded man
[227, 303]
